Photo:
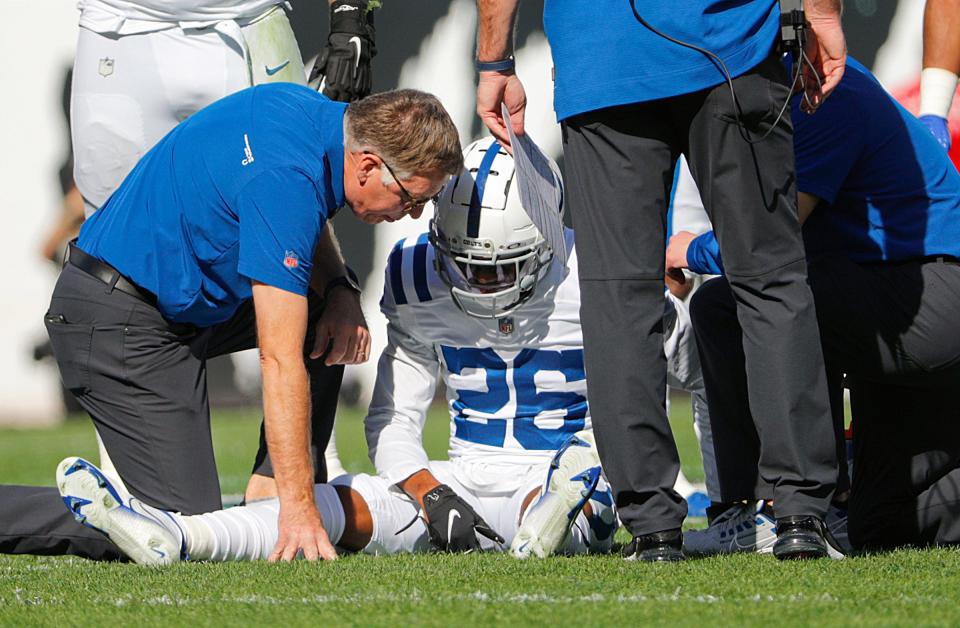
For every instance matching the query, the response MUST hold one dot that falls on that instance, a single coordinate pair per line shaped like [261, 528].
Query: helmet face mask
[487, 287]
[488, 251]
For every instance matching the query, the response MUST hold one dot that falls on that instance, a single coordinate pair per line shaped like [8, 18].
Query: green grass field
[901, 588]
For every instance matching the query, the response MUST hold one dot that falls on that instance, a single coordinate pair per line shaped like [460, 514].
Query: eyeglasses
[409, 201]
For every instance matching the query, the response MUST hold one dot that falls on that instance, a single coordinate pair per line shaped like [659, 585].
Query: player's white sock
[250, 532]
[332, 459]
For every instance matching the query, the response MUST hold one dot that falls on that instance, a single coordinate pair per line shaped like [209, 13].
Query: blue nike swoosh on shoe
[272, 71]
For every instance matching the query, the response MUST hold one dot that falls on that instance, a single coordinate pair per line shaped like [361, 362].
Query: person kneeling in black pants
[880, 202]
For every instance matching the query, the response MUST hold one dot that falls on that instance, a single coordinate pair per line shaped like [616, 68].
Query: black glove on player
[452, 523]
[342, 70]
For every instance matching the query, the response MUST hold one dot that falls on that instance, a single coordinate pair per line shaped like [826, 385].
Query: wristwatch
[348, 281]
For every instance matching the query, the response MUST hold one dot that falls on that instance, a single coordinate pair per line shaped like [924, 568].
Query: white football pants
[131, 90]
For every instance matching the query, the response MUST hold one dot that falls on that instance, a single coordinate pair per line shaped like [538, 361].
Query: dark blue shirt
[604, 57]
[889, 191]
[239, 191]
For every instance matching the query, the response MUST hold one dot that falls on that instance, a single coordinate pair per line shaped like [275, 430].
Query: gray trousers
[619, 169]
[143, 382]
[893, 329]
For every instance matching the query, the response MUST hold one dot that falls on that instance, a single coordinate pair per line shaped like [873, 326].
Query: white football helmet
[489, 252]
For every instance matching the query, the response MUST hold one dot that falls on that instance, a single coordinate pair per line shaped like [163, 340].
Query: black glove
[452, 523]
[342, 71]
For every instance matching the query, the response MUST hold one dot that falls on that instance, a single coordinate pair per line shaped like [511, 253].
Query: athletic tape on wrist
[937, 87]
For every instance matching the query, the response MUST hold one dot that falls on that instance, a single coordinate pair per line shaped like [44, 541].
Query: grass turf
[905, 587]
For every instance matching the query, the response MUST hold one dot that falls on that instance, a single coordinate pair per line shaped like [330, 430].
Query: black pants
[619, 169]
[143, 381]
[894, 330]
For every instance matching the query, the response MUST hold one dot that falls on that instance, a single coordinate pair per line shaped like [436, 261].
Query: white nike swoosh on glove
[356, 42]
[451, 518]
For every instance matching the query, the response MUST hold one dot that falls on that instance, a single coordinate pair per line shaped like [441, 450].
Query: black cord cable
[744, 133]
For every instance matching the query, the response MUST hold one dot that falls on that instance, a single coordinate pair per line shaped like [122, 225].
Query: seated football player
[879, 201]
[481, 303]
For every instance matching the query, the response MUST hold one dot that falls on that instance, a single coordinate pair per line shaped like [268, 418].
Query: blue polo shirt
[239, 191]
[604, 57]
[889, 191]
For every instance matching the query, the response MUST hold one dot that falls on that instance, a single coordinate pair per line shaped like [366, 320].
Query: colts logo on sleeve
[290, 260]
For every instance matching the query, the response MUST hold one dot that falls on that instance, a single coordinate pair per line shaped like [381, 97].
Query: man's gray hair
[409, 129]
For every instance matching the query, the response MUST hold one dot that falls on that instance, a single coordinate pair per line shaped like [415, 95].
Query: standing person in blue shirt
[630, 101]
[880, 204]
[209, 247]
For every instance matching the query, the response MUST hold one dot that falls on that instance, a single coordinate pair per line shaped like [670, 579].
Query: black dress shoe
[802, 537]
[659, 547]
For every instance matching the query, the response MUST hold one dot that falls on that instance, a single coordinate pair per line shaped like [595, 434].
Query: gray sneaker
[740, 528]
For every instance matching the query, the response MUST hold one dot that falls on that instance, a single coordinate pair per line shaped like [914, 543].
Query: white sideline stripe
[24, 598]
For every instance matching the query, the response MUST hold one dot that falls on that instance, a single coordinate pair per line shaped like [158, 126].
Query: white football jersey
[132, 16]
[515, 386]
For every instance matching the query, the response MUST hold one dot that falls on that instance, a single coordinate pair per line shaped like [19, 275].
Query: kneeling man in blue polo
[210, 247]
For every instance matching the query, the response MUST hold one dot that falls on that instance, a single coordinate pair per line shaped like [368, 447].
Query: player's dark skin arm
[418, 485]
[941, 44]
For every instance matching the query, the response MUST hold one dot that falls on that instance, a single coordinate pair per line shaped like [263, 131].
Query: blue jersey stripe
[396, 274]
[420, 268]
[480, 181]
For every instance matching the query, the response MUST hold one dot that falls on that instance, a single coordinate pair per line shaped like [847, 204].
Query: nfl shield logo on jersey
[506, 325]
[290, 260]
[106, 66]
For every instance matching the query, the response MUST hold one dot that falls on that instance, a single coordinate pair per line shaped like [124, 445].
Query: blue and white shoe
[741, 528]
[571, 481]
[140, 531]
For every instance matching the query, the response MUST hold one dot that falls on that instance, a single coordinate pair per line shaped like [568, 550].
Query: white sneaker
[741, 528]
[571, 481]
[132, 525]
